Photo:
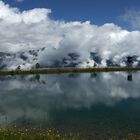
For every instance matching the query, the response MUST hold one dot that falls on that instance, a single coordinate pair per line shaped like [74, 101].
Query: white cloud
[33, 29]
[132, 17]
[19, 0]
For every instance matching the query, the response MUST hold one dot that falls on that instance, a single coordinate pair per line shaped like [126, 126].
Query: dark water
[97, 104]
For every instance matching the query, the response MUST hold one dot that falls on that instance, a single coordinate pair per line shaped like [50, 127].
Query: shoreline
[69, 70]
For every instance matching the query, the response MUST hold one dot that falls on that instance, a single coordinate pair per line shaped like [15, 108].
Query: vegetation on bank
[34, 134]
[68, 70]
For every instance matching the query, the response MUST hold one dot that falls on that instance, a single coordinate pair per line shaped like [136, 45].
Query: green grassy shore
[33, 134]
[68, 70]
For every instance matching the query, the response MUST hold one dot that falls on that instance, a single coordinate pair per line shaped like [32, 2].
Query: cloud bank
[34, 30]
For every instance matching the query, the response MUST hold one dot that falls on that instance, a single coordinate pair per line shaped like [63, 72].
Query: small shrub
[37, 65]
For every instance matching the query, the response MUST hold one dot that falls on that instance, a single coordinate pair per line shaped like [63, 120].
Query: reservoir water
[98, 105]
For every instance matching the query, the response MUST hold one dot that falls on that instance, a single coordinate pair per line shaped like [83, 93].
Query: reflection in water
[129, 77]
[37, 77]
[97, 102]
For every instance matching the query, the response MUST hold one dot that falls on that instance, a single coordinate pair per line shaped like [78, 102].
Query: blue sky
[97, 11]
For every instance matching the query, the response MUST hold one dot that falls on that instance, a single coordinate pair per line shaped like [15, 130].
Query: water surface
[93, 104]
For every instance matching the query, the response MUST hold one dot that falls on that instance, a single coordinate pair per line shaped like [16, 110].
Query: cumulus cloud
[33, 30]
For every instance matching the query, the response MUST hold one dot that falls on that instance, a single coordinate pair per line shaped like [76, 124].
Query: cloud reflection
[32, 96]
